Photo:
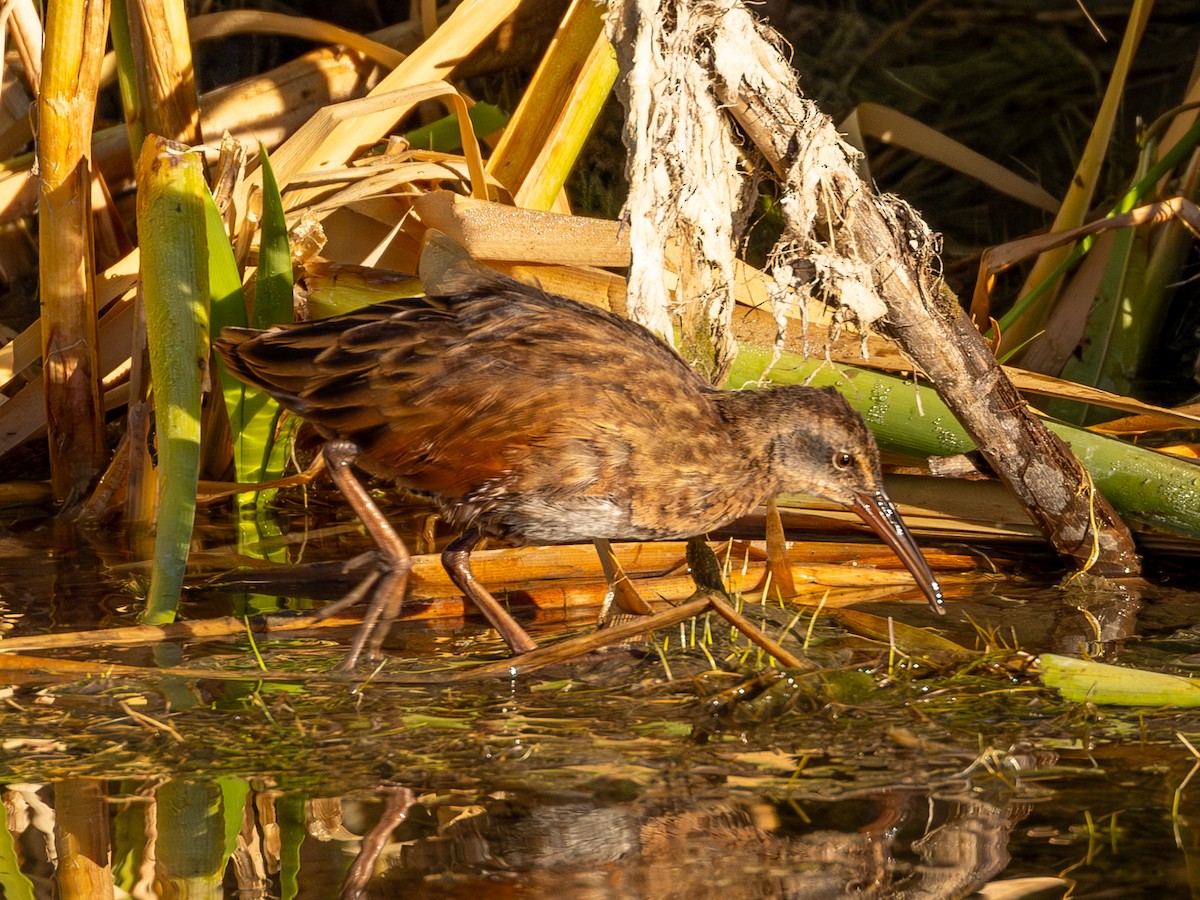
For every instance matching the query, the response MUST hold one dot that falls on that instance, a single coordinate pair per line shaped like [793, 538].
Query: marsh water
[680, 767]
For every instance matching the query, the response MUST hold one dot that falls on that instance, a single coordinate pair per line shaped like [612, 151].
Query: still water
[675, 768]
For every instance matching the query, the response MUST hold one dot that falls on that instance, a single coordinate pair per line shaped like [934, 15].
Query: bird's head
[819, 445]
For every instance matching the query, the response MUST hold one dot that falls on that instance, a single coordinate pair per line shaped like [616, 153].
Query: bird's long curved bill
[878, 511]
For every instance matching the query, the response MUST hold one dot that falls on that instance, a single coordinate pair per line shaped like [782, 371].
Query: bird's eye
[842, 460]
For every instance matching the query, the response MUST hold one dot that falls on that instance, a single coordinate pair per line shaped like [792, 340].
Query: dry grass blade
[214, 492]
[1048, 386]
[19, 19]
[150, 721]
[1068, 321]
[263, 109]
[24, 415]
[533, 572]
[214, 26]
[542, 141]
[334, 138]
[893, 127]
[25, 349]
[39, 666]
[1147, 422]
[295, 162]
[998, 259]
[25, 26]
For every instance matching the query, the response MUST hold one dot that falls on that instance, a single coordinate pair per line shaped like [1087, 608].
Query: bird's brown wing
[497, 385]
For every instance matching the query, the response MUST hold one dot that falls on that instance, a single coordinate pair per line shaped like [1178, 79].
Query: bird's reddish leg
[456, 559]
[388, 597]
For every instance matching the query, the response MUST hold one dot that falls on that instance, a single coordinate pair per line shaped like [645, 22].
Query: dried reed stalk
[162, 66]
[75, 35]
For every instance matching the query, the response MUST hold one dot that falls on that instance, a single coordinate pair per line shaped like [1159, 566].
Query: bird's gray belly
[559, 520]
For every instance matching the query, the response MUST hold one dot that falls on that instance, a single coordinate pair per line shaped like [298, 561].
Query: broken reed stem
[175, 295]
[835, 223]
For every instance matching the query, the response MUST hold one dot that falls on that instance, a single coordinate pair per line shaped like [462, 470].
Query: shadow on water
[674, 769]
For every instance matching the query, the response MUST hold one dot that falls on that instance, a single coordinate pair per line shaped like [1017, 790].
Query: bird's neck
[750, 428]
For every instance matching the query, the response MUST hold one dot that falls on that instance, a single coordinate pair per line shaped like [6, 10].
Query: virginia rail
[540, 420]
